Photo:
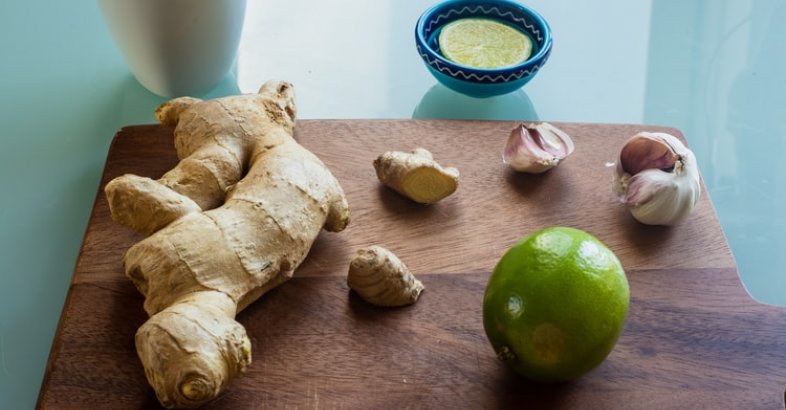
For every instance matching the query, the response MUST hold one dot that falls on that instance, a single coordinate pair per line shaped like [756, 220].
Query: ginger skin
[382, 279]
[219, 239]
[416, 175]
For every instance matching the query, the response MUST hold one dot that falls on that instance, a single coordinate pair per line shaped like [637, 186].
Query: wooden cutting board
[693, 337]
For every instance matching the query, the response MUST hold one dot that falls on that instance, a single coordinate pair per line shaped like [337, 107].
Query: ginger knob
[231, 220]
[382, 279]
[416, 175]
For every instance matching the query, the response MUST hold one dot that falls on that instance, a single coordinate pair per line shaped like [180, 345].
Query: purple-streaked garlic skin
[657, 178]
[536, 148]
[647, 151]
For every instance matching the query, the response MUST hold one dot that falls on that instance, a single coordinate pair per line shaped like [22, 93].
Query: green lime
[483, 43]
[555, 304]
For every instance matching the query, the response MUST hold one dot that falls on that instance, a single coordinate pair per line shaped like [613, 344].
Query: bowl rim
[527, 64]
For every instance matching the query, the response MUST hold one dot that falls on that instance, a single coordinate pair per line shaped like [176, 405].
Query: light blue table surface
[716, 69]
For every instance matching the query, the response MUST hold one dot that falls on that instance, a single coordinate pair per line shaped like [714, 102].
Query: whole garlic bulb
[657, 178]
[536, 148]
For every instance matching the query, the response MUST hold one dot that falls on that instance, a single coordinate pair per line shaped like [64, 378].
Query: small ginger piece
[233, 219]
[382, 279]
[416, 175]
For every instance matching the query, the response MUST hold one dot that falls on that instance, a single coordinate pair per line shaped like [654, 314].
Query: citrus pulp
[483, 43]
[555, 304]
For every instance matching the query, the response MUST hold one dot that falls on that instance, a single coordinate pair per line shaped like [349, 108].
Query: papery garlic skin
[536, 148]
[657, 178]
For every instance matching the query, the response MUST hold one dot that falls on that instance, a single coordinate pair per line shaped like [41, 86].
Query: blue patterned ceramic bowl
[477, 82]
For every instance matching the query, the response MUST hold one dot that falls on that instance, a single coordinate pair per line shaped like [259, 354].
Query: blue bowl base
[479, 90]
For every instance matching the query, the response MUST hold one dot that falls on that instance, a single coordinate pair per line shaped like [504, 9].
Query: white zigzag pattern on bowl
[499, 13]
[472, 76]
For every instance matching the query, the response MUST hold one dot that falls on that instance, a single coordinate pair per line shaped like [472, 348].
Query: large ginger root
[218, 242]
[382, 279]
[416, 175]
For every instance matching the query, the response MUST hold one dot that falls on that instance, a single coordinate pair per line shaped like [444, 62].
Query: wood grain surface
[693, 337]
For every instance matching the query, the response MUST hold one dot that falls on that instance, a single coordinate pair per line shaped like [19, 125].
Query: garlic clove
[559, 141]
[645, 151]
[656, 198]
[642, 187]
[536, 148]
[657, 178]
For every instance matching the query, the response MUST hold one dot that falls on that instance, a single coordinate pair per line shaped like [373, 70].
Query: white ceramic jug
[176, 47]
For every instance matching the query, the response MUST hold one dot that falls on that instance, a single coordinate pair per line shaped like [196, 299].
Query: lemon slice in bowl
[483, 43]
